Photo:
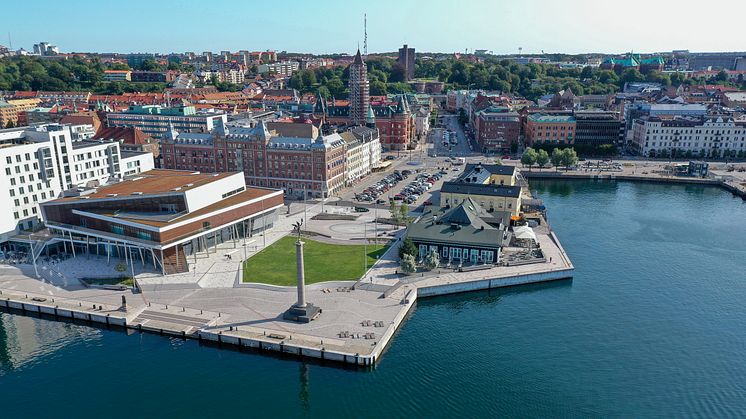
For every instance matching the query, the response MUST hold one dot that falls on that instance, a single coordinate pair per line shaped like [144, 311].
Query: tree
[631, 75]
[9, 124]
[150, 65]
[556, 158]
[569, 157]
[529, 157]
[394, 210]
[404, 213]
[336, 87]
[408, 264]
[407, 248]
[119, 66]
[432, 260]
[542, 157]
[378, 88]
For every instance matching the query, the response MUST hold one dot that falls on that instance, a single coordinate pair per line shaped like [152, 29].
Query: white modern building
[713, 137]
[38, 163]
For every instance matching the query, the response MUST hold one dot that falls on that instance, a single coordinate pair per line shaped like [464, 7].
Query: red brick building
[395, 120]
[295, 157]
[496, 129]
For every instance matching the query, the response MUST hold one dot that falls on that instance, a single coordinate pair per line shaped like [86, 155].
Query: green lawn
[324, 262]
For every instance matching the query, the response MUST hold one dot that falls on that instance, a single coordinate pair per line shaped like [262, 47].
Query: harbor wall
[637, 178]
[485, 284]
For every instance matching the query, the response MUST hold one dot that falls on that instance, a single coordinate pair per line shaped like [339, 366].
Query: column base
[302, 314]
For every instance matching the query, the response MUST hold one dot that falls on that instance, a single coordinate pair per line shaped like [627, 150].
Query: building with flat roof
[155, 120]
[11, 109]
[594, 128]
[496, 129]
[39, 163]
[550, 129]
[118, 75]
[494, 187]
[161, 217]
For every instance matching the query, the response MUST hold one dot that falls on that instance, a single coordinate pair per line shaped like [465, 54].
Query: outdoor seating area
[356, 335]
[523, 257]
[14, 258]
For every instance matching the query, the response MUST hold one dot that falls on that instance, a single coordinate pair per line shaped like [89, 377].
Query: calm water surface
[652, 325]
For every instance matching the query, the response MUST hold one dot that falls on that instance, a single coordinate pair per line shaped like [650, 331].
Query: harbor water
[652, 325]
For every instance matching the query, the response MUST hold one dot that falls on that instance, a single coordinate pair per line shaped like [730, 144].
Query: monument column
[301, 311]
[301, 274]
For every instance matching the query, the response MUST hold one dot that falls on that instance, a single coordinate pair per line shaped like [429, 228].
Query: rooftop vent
[176, 189]
[83, 197]
[111, 194]
[189, 185]
[136, 193]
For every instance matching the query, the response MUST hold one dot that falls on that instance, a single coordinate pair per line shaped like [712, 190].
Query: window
[117, 230]
[206, 225]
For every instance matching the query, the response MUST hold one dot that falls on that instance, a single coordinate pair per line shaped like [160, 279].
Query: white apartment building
[38, 163]
[284, 68]
[714, 137]
[421, 123]
[362, 154]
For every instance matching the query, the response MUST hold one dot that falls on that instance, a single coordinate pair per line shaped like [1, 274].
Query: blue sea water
[652, 325]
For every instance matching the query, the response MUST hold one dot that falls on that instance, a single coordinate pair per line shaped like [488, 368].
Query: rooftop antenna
[10, 43]
[520, 50]
[365, 30]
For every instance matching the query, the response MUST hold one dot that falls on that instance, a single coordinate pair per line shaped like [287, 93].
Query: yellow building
[9, 110]
[494, 187]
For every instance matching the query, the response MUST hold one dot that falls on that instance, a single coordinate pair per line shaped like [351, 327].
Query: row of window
[26, 156]
[17, 215]
[458, 253]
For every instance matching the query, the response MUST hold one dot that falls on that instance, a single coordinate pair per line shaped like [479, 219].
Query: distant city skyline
[571, 26]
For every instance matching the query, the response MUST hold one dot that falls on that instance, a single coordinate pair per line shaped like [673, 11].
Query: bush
[432, 260]
[407, 264]
[407, 248]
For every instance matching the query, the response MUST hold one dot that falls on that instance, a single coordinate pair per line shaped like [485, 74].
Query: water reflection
[304, 387]
[25, 341]
[495, 295]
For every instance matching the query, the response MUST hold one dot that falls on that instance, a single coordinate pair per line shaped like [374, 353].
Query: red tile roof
[133, 136]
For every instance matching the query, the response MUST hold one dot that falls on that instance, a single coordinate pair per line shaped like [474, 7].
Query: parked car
[361, 209]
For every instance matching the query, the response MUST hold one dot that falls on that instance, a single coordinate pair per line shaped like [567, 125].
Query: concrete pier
[357, 325]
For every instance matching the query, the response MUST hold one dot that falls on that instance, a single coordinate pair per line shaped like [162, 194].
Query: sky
[335, 26]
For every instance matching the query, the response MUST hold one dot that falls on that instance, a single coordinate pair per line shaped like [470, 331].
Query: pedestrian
[550, 259]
